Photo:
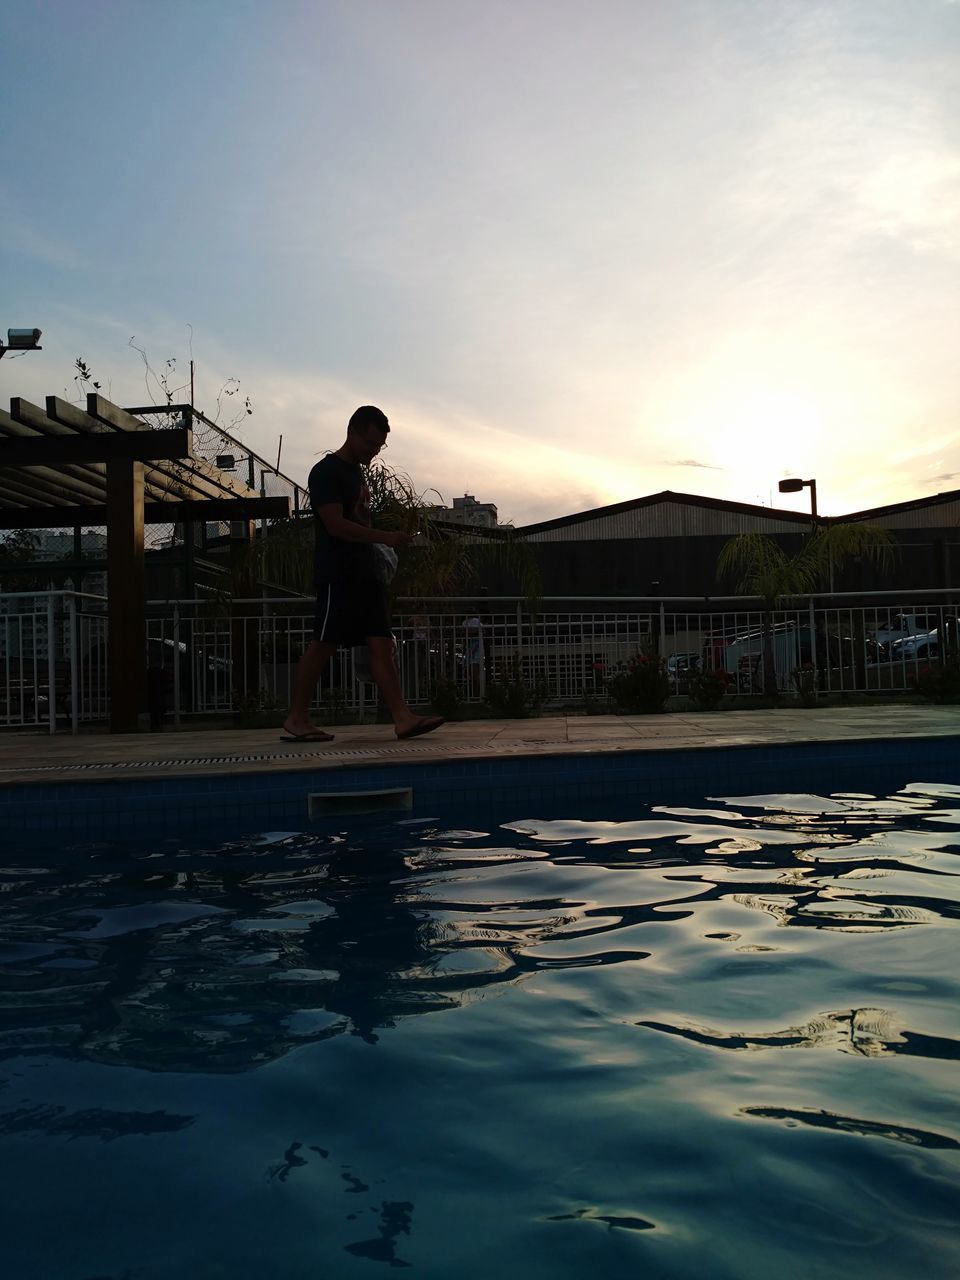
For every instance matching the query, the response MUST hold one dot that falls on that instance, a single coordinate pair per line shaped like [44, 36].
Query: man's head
[367, 432]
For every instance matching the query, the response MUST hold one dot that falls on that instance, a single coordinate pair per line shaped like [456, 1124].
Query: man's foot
[304, 733]
[426, 724]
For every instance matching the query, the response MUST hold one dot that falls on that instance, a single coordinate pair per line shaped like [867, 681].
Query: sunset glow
[578, 253]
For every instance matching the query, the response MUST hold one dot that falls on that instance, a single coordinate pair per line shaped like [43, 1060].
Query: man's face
[371, 441]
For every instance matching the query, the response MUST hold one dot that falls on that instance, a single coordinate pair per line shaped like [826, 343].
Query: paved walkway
[32, 758]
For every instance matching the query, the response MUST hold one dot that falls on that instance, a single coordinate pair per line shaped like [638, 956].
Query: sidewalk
[32, 758]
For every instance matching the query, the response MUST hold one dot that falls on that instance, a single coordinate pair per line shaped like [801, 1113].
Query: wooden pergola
[63, 466]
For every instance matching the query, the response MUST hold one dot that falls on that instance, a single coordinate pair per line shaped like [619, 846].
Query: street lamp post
[794, 486]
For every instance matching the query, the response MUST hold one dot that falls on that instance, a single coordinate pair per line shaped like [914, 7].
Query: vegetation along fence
[239, 656]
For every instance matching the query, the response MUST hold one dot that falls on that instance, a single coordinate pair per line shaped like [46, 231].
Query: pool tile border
[108, 808]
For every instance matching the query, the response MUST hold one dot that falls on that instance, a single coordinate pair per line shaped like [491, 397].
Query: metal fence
[241, 656]
[53, 659]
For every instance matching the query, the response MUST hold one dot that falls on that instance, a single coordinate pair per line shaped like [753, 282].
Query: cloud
[692, 462]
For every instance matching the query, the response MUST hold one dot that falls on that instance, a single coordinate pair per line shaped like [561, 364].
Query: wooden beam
[111, 414]
[218, 509]
[84, 483]
[195, 479]
[52, 485]
[148, 409]
[126, 594]
[24, 486]
[31, 415]
[143, 446]
[68, 415]
[94, 515]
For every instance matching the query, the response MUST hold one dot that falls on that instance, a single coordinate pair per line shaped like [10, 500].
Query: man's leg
[311, 667]
[384, 671]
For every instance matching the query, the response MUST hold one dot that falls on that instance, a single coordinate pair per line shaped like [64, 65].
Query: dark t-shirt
[334, 481]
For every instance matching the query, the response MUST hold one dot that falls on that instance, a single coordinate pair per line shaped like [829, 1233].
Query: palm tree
[762, 568]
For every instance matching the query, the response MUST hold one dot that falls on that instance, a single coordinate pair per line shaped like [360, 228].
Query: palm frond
[762, 568]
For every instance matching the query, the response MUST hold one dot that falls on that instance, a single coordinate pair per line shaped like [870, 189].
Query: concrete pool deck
[29, 758]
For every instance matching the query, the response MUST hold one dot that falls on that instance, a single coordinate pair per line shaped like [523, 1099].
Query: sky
[578, 252]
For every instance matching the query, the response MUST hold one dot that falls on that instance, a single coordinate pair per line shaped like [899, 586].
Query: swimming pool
[712, 1038]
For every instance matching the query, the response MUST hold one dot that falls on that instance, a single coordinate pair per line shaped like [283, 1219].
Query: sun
[760, 434]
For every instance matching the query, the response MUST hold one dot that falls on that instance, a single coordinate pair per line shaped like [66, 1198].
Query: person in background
[350, 571]
[474, 655]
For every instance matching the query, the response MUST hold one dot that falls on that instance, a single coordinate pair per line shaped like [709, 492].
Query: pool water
[710, 1041]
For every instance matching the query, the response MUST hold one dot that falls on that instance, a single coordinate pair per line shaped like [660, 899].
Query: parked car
[904, 626]
[681, 664]
[914, 648]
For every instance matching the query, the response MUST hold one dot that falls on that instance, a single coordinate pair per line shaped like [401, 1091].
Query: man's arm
[333, 520]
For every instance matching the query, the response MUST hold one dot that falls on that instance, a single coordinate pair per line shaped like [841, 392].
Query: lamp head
[23, 339]
[791, 486]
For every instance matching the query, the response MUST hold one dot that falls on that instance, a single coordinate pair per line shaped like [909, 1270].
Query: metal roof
[666, 514]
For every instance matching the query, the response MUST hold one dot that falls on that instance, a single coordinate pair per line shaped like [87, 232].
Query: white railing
[203, 660]
[53, 659]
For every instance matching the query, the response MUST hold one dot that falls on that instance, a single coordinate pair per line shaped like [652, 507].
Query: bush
[512, 698]
[333, 705]
[940, 682]
[644, 687]
[707, 687]
[445, 699]
[804, 680]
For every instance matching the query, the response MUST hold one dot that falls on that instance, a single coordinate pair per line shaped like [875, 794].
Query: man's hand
[396, 539]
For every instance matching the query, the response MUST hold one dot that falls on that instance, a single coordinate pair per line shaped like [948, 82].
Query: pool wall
[553, 783]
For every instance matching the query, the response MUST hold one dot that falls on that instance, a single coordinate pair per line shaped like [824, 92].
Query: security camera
[23, 339]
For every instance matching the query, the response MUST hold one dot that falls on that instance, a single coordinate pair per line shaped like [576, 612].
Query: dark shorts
[349, 612]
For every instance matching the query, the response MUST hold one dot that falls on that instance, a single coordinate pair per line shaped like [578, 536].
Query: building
[466, 511]
[668, 544]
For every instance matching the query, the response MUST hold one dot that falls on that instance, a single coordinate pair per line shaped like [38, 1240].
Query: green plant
[643, 687]
[707, 687]
[762, 568]
[594, 701]
[804, 680]
[940, 681]
[263, 700]
[511, 697]
[333, 705]
[445, 699]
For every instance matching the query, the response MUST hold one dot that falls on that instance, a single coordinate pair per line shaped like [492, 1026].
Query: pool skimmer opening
[323, 804]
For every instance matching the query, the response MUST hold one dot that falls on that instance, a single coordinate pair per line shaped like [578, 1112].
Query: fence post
[813, 644]
[663, 628]
[176, 666]
[73, 626]
[51, 666]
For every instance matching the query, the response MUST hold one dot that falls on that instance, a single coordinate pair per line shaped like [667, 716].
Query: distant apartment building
[467, 511]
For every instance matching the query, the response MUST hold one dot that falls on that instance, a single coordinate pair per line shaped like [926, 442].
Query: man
[352, 605]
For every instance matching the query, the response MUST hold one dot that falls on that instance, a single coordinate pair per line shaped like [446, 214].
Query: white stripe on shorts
[326, 616]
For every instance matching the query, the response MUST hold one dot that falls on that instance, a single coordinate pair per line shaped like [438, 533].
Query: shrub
[804, 680]
[644, 686]
[445, 699]
[333, 705]
[940, 682]
[707, 687]
[512, 698]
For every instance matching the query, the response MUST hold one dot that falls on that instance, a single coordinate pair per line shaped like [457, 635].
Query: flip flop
[317, 735]
[427, 725]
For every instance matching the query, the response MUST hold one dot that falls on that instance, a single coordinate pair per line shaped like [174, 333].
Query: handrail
[615, 601]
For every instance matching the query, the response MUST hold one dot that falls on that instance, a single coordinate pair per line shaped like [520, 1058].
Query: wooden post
[244, 630]
[126, 595]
